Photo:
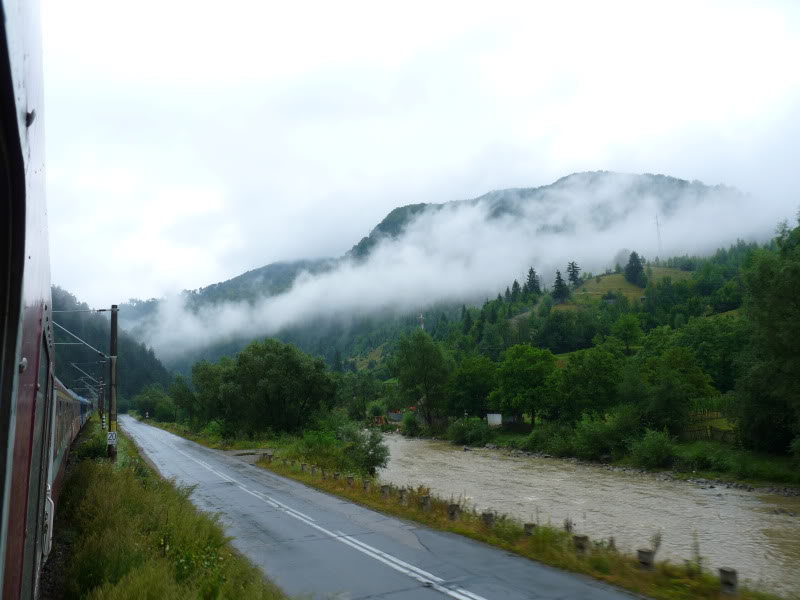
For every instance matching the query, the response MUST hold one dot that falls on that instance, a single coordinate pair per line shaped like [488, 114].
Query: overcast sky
[188, 142]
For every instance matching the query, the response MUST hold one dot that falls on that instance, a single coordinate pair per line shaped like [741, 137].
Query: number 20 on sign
[112, 438]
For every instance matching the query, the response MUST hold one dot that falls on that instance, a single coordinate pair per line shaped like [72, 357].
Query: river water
[734, 528]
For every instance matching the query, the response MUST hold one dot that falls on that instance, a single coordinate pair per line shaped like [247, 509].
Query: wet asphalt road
[316, 545]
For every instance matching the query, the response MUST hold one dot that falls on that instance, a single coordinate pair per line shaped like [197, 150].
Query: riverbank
[623, 502]
[123, 532]
[732, 527]
[542, 542]
[693, 462]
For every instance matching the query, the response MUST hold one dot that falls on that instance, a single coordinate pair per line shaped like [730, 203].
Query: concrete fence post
[453, 512]
[269, 458]
[324, 474]
[529, 528]
[581, 543]
[313, 469]
[385, 491]
[285, 461]
[488, 519]
[404, 497]
[646, 558]
[303, 466]
[350, 481]
[425, 501]
[728, 582]
[366, 483]
[336, 475]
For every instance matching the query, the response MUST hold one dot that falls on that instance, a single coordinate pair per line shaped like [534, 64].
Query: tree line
[591, 378]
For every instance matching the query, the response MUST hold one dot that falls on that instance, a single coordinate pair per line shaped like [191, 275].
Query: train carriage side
[26, 336]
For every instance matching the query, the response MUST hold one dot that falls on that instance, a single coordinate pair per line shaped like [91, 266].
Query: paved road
[314, 544]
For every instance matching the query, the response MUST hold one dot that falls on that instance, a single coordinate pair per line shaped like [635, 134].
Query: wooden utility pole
[112, 408]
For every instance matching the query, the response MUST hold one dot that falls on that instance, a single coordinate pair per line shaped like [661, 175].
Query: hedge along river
[756, 535]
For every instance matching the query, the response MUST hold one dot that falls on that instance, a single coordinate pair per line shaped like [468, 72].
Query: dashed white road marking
[428, 579]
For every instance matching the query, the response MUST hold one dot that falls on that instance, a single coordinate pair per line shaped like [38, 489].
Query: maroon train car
[28, 398]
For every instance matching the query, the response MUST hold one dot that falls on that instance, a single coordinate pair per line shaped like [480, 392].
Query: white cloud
[191, 141]
[459, 252]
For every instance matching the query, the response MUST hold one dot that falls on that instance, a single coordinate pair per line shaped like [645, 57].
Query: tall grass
[138, 536]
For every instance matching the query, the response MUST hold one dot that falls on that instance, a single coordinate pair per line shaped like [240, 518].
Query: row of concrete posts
[728, 577]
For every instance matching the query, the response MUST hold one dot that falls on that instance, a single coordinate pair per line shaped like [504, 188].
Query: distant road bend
[314, 544]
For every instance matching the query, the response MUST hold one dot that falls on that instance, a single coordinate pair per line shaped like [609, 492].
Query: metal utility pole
[101, 402]
[112, 408]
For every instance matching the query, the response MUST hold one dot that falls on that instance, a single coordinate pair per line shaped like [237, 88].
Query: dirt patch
[250, 456]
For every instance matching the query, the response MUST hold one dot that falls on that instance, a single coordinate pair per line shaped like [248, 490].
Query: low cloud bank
[467, 252]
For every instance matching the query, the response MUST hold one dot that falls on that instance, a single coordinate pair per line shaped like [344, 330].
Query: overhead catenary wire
[85, 373]
[103, 354]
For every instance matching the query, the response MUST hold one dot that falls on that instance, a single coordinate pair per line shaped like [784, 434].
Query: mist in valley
[470, 251]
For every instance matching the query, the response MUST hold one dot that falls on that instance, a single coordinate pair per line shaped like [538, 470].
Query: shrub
[349, 447]
[655, 449]
[410, 426]
[469, 430]
[596, 438]
[592, 439]
[376, 408]
[95, 446]
[701, 456]
[551, 438]
[365, 450]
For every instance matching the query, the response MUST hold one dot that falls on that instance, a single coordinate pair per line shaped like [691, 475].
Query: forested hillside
[600, 366]
[598, 200]
[138, 365]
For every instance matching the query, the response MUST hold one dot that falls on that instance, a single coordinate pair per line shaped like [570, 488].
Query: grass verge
[134, 535]
[699, 459]
[546, 544]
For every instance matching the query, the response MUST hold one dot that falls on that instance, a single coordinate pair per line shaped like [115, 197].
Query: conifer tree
[467, 321]
[560, 288]
[572, 272]
[533, 282]
[634, 271]
[516, 291]
[508, 294]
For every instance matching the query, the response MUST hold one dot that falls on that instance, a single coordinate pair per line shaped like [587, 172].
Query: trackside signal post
[112, 404]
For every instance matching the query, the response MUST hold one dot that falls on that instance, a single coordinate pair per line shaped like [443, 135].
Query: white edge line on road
[395, 563]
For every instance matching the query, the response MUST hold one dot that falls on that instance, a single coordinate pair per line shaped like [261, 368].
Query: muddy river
[734, 528]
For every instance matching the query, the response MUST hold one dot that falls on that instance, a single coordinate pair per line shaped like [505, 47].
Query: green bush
[365, 449]
[654, 450]
[591, 439]
[376, 408]
[550, 438]
[410, 426]
[703, 456]
[469, 430]
[344, 446]
[95, 446]
[794, 449]
[164, 410]
[595, 438]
